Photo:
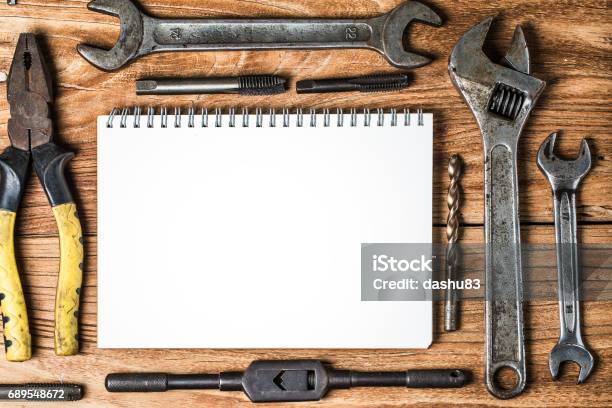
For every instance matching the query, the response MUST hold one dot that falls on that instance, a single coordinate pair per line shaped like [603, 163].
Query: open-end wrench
[501, 98]
[141, 34]
[564, 177]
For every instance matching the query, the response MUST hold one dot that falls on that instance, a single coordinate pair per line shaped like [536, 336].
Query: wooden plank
[575, 60]
[463, 349]
[570, 44]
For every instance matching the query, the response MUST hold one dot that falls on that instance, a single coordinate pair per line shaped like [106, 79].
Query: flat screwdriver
[285, 380]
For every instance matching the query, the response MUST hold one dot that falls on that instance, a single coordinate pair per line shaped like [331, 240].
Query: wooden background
[570, 43]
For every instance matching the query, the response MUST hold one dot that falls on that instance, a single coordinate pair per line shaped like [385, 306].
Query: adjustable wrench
[141, 34]
[501, 98]
[564, 177]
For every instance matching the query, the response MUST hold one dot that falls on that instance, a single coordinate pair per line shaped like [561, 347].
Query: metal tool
[369, 83]
[244, 85]
[285, 380]
[41, 392]
[501, 98]
[453, 251]
[141, 34]
[30, 130]
[564, 177]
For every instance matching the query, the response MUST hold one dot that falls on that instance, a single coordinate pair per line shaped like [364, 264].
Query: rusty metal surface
[141, 34]
[501, 98]
[564, 177]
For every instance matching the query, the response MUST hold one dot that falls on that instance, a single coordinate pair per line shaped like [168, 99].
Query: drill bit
[370, 83]
[243, 85]
[453, 252]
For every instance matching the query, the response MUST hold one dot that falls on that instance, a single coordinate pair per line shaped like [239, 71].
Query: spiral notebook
[238, 229]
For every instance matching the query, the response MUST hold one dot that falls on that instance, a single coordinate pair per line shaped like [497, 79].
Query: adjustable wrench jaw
[501, 98]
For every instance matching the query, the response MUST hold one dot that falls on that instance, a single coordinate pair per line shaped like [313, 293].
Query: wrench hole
[506, 378]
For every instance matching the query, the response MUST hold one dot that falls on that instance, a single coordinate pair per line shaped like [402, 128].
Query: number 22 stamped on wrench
[501, 98]
[564, 177]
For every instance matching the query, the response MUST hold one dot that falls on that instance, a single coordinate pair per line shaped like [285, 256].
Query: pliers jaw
[30, 94]
[30, 129]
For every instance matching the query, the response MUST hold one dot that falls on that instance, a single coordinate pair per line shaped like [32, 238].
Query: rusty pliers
[30, 130]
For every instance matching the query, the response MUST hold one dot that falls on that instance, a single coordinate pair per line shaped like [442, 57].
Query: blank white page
[250, 237]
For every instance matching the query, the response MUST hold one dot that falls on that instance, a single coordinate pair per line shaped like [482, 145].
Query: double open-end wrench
[564, 177]
[141, 34]
[501, 98]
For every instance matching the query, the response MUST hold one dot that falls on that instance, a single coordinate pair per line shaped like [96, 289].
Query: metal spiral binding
[204, 117]
[245, 117]
[270, 117]
[300, 117]
[218, 117]
[137, 112]
[150, 114]
[123, 121]
[232, 115]
[177, 117]
[164, 117]
[339, 117]
[111, 117]
[191, 116]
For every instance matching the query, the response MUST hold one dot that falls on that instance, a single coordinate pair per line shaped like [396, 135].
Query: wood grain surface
[570, 43]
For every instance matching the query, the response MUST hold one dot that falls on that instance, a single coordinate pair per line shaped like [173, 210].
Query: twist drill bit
[453, 252]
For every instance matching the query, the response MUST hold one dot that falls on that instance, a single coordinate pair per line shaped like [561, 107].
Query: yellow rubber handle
[17, 339]
[69, 280]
